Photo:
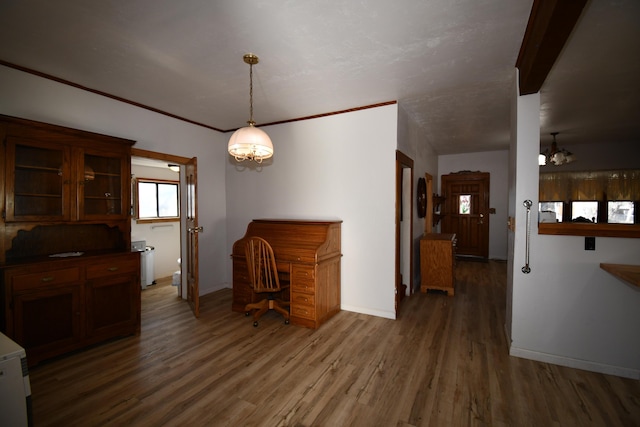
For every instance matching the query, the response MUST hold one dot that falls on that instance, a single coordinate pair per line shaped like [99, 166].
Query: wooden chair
[263, 276]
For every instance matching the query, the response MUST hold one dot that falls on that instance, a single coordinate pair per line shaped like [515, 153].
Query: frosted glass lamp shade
[250, 143]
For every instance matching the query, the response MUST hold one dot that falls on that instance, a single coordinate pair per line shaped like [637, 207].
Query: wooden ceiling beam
[549, 27]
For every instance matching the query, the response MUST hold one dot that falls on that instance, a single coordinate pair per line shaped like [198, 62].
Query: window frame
[156, 181]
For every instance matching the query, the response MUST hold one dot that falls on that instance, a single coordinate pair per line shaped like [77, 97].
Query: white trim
[363, 310]
[575, 363]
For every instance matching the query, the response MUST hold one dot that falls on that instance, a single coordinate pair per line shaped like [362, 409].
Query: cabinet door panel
[37, 181]
[48, 319]
[112, 306]
[103, 187]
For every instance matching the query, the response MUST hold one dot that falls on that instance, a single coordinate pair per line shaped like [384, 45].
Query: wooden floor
[444, 362]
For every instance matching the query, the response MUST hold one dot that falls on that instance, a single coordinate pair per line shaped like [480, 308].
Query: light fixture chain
[250, 93]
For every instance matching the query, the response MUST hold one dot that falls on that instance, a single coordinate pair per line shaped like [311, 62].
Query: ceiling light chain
[249, 142]
[251, 122]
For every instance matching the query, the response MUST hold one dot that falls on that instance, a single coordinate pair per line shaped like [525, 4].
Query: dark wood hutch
[69, 278]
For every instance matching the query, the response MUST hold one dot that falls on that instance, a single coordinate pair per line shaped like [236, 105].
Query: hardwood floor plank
[444, 361]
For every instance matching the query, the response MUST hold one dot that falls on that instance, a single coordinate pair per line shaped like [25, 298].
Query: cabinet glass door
[37, 180]
[101, 179]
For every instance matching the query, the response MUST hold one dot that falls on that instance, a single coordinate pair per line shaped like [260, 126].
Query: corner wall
[413, 143]
[335, 167]
[567, 310]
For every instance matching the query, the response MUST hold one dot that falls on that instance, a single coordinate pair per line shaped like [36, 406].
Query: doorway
[466, 212]
[404, 228]
[188, 242]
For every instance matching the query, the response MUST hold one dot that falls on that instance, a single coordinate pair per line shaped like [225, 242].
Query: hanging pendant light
[249, 142]
[556, 156]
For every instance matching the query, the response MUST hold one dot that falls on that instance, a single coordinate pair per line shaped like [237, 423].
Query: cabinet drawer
[299, 272]
[303, 299]
[22, 282]
[303, 279]
[306, 311]
[307, 286]
[112, 267]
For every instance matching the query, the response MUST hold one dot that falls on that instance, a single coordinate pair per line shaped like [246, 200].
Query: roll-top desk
[309, 253]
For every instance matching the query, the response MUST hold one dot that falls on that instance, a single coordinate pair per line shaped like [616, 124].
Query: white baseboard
[377, 313]
[575, 363]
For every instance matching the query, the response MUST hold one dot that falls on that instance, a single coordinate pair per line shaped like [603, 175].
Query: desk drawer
[22, 282]
[303, 279]
[301, 272]
[112, 267]
[305, 311]
[298, 298]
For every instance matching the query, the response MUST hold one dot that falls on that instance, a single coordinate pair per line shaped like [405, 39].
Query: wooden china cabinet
[68, 276]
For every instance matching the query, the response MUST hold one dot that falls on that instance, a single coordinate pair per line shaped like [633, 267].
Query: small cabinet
[52, 307]
[44, 313]
[112, 297]
[57, 174]
[48, 320]
[437, 257]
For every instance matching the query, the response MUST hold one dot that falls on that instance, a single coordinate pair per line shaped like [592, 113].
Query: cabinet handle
[112, 268]
[47, 279]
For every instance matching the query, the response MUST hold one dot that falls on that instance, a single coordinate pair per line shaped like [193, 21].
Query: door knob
[195, 229]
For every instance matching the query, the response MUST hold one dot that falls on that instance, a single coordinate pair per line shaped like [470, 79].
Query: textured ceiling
[449, 64]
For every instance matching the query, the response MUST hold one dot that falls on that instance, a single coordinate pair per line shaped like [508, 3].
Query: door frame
[469, 176]
[403, 162]
[182, 161]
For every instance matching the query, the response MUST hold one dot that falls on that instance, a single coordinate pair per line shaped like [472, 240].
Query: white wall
[165, 236]
[335, 167]
[567, 310]
[496, 163]
[31, 97]
[414, 144]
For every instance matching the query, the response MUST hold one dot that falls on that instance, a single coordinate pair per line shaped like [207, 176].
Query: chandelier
[555, 156]
[249, 142]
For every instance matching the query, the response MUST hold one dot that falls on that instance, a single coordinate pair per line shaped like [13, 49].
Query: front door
[193, 288]
[466, 212]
